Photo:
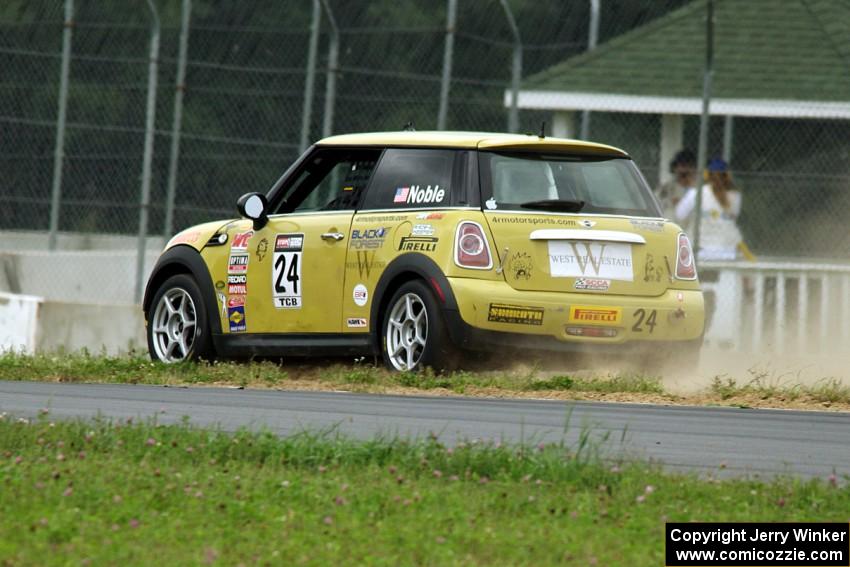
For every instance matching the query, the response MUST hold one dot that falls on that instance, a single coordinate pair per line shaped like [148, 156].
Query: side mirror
[253, 206]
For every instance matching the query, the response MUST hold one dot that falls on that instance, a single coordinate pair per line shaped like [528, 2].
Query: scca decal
[518, 314]
[415, 194]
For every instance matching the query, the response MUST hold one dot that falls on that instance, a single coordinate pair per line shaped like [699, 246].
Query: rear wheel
[414, 333]
[178, 326]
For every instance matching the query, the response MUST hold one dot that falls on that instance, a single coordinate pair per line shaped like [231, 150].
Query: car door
[294, 266]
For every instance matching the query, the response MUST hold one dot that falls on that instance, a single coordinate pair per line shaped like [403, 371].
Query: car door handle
[337, 236]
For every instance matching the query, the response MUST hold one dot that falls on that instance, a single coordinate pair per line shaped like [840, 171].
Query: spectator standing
[720, 238]
[684, 170]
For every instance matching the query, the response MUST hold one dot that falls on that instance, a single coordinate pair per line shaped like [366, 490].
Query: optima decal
[415, 195]
[518, 314]
[606, 316]
[237, 264]
[418, 244]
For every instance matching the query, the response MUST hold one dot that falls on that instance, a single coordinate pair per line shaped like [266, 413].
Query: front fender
[184, 259]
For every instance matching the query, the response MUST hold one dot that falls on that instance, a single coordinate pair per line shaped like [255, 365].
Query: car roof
[480, 140]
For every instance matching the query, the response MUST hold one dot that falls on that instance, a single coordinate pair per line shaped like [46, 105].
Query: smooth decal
[606, 260]
[422, 230]
[262, 249]
[651, 271]
[518, 314]
[418, 244]
[520, 266]
[648, 225]
[361, 295]
[365, 263]
[415, 195]
[430, 216]
[593, 315]
[185, 238]
[286, 271]
[237, 285]
[236, 317]
[240, 241]
[368, 238]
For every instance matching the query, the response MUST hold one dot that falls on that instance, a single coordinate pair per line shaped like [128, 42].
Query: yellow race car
[419, 245]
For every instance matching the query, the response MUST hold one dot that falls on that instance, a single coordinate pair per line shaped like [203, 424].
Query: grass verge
[760, 389]
[140, 493]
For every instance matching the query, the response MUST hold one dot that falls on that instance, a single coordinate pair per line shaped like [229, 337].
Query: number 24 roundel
[286, 271]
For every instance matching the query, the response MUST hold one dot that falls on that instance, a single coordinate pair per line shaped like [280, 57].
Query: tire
[177, 322]
[411, 313]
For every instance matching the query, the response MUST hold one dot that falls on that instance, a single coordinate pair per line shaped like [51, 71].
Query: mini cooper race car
[416, 246]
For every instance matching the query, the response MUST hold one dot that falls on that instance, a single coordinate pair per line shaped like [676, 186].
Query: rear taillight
[686, 268]
[471, 248]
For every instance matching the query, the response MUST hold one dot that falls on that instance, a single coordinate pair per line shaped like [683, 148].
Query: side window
[331, 180]
[413, 178]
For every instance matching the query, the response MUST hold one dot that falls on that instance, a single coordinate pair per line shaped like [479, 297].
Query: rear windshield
[605, 185]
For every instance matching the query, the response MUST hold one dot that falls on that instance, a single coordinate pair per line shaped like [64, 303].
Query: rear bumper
[491, 313]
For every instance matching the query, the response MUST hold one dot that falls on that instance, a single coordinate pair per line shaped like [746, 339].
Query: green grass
[138, 369]
[764, 386]
[127, 493]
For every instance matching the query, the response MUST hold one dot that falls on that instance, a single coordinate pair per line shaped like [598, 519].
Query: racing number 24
[643, 321]
[291, 274]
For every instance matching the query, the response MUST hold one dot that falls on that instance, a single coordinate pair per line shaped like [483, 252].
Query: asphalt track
[720, 441]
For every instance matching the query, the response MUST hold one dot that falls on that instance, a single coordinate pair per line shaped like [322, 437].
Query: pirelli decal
[519, 314]
[593, 315]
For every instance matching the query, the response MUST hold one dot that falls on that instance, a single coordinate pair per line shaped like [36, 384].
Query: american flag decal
[401, 195]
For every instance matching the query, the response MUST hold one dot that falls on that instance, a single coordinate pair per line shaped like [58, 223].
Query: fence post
[177, 122]
[310, 79]
[59, 154]
[592, 40]
[147, 160]
[704, 119]
[445, 83]
[516, 69]
[330, 78]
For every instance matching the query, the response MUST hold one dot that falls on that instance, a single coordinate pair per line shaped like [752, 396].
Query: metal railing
[778, 305]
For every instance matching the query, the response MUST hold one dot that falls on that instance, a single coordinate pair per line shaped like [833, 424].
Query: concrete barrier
[98, 328]
[19, 318]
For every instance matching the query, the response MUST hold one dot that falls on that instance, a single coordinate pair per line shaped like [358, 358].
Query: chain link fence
[377, 65]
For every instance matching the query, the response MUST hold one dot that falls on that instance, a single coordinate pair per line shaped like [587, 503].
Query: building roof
[481, 140]
[772, 58]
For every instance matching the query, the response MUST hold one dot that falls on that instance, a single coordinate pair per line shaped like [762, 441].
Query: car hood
[197, 236]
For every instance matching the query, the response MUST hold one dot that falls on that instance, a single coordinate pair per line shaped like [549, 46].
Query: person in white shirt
[720, 238]
[684, 170]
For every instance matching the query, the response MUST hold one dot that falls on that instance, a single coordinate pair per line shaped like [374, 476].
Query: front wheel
[414, 333]
[178, 328]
